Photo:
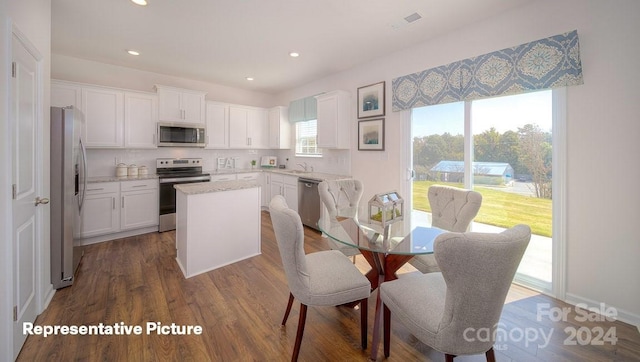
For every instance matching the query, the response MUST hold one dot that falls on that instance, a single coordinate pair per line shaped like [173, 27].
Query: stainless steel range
[173, 171]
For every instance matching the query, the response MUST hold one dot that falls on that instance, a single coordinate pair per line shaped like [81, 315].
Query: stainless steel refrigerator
[68, 181]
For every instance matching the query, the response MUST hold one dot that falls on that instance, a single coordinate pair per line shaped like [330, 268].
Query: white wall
[86, 71]
[33, 19]
[602, 124]
[102, 162]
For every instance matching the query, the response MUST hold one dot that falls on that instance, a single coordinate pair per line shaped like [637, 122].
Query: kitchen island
[217, 223]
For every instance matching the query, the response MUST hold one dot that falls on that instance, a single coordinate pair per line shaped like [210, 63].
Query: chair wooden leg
[449, 357]
[491, 357]
[286, 313]
[301, 321]
[386, 324]
[363, 321]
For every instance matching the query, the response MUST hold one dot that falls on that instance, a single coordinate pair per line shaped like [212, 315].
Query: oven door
[167, 199]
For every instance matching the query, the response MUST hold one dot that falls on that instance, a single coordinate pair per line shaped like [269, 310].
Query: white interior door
[25, 124]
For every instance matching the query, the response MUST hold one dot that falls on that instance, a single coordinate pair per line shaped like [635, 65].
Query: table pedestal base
[383, 269]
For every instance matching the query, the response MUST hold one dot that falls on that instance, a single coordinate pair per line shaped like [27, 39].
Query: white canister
[121, 170]
[133, 170]
[143, 171]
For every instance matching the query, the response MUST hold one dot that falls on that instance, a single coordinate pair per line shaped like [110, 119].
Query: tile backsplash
[102, 162]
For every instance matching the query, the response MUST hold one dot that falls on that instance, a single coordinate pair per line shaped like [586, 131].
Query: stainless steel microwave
[181, 135]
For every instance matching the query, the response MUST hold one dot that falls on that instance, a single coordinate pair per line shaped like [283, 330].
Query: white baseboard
[123, 234]
[622, 315]
[47, 299]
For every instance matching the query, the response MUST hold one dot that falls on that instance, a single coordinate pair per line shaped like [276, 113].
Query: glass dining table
[385, 249]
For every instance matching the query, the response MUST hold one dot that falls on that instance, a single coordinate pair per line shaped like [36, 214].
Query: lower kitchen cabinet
[286, 186]
[224, 177]
[112, 208]
[138, 204]
[249, 176]
[100, 210]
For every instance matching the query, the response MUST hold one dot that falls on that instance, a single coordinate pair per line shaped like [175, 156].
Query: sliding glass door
[508, 143]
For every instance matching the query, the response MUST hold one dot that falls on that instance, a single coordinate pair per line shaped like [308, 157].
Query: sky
[502, 113]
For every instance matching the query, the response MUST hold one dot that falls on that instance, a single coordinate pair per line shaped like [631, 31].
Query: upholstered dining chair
[452, 209]
[325, 278]
[341, 198]
[449, 311]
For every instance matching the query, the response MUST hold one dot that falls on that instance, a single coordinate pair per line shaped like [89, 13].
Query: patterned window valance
[542, 64]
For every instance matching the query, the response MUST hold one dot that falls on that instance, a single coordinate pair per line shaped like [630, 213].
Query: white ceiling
[225, 41]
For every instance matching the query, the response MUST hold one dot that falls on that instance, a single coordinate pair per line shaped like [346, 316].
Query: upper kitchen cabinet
[279, 128]
[333, 119]
[181, 105]
[103, 110]
[140, 119]
[217, 125]
[65, 94]
[248, 127]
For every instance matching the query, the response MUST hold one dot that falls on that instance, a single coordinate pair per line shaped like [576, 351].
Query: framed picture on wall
[371, 100]
[371, 135]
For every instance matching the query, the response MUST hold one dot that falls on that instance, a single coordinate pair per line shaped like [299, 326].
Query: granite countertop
[207, 187]
[224, 171]
[96, 179]
[321, 176]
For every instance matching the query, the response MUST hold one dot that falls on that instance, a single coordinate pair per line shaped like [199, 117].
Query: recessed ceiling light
[249, 78]
[139, 2]
[133, 52]
[294, 54]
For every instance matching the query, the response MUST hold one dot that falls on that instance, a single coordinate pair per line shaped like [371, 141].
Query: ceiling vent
[413, 17]
[406, 21]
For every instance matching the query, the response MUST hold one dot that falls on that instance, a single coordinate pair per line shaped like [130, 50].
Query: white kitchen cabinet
[241, 176]
[113, 118]
[286, 186]
[334, 121]
[224, 177]
[248, 127]
[217, 125]
[238, 127]
[140, 120]
[180, 105]
[115, 207]
[101, 210]
[65, 94]
[266, 189]
[248, 176]
[138, 204]
[279, 128]
[103, 110]
[258, 128]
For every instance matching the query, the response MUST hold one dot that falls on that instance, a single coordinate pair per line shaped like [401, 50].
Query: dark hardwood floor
[137, 280]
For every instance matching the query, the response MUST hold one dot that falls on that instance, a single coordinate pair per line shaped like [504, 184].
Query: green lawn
[503, 209]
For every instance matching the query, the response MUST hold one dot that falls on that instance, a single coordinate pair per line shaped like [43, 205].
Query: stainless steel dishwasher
[309, 202]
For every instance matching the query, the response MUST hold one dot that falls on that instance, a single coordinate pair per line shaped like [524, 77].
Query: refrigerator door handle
[84, 175]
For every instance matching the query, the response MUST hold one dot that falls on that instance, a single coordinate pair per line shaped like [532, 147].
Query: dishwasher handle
[308, 181]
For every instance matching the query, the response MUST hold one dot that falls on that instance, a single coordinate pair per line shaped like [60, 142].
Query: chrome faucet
[303, 165]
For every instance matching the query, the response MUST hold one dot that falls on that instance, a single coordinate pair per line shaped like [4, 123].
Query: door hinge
[14, 191]
[13, 69]
[15, 313]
